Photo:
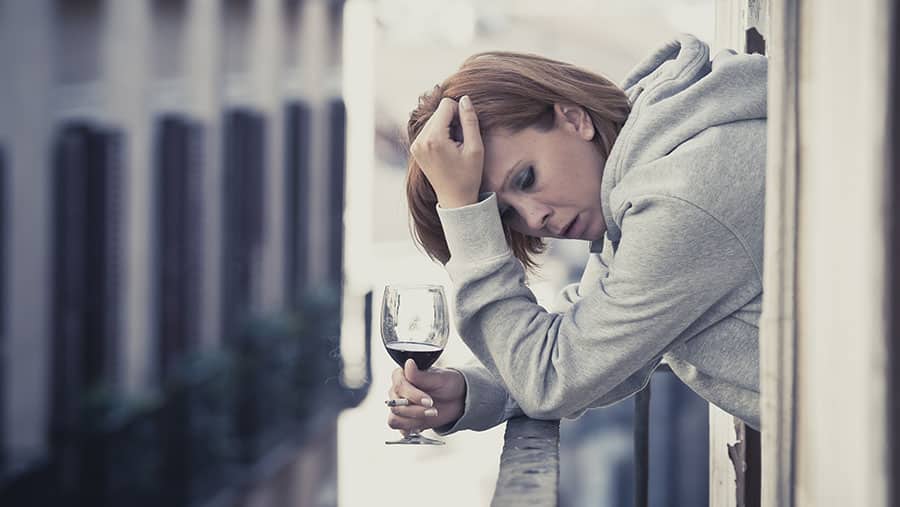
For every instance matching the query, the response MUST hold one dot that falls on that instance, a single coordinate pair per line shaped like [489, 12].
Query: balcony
[529, 472]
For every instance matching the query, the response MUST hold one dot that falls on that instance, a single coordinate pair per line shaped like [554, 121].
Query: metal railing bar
[642, 446]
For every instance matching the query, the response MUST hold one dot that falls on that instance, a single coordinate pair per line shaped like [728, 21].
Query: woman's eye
[526, 179]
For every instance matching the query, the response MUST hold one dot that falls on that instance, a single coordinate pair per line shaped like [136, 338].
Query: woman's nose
[536, 216]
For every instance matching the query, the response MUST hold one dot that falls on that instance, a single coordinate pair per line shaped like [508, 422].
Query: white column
[26, 35]
[315, 38]
[359, 97]
[125, 77]
[842, 436]
[778, 324]
[267, 58]
[203, 75]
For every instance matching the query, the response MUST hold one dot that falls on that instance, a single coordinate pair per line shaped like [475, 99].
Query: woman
[665, 178]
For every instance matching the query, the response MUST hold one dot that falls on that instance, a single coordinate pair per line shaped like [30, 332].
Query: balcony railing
[529, 464]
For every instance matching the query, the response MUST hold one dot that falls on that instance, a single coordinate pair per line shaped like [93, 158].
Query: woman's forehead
[502, 145]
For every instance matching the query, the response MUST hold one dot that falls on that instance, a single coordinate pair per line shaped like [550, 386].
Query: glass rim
[413, 286]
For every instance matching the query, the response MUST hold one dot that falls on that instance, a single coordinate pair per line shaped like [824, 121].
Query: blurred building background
[196, 197]
[172, 246]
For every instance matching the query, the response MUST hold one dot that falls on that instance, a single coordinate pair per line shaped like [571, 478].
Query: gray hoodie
[677, 278]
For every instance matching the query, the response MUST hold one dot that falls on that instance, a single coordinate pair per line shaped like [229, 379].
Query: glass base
[415, 439]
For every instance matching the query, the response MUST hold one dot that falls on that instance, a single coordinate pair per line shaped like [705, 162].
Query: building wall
[123, 69]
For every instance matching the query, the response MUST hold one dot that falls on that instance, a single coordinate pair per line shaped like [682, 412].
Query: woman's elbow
[545, 408]
[546, 397]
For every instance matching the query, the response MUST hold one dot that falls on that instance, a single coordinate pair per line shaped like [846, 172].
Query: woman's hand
[453, 168]
[436, 397]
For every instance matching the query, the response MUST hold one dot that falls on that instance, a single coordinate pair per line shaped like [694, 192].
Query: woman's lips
[567, 232]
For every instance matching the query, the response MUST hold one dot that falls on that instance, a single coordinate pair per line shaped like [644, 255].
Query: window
[244, 160]
[85, 256]
[178, 167]
[3, 228]
[296, 182]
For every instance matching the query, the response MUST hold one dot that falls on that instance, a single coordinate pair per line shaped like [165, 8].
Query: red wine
[424, 354]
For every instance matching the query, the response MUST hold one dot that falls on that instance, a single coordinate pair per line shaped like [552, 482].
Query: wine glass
[415, 325]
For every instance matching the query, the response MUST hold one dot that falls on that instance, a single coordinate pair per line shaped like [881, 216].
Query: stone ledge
[529, 465]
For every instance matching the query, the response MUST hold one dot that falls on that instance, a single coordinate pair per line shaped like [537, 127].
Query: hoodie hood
[675, 94]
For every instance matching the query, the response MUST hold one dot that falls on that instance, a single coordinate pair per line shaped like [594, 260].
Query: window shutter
[87, 175]
[296, 180]
[244, 162]
[336, 172]
[179, 163]
[3, 356]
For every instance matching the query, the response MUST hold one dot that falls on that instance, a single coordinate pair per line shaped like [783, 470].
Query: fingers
[422, 392]
[435, 137]
[442, 124]
[404, 389]
[446, 111]
[416, 415]
[411, 417]
[437, 130]
[415, 411]
[431, 380]
[410, 372]
[407, 408]
[468, 119]
[453, 168]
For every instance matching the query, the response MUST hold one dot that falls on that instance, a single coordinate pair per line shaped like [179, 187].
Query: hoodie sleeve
[596, 269]
[675, 272]
[487, 401]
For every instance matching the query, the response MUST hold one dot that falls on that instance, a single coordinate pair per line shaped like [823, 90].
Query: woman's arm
[676, 271]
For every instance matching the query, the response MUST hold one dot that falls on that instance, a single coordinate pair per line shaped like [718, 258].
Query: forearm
[657, 294]
[516, 339]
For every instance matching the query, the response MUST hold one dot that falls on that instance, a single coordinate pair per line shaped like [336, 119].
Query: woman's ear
[574, 119]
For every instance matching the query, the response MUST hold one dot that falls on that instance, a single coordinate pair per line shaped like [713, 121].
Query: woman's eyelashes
[525, 179]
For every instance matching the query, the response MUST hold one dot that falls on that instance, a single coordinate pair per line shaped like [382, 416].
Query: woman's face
[548, 183]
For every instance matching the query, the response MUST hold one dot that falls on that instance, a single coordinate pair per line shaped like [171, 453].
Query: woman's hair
[510, 91]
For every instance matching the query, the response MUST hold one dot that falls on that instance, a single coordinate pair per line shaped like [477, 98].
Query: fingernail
[427, 402]
[465, 102]
[430, 412]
